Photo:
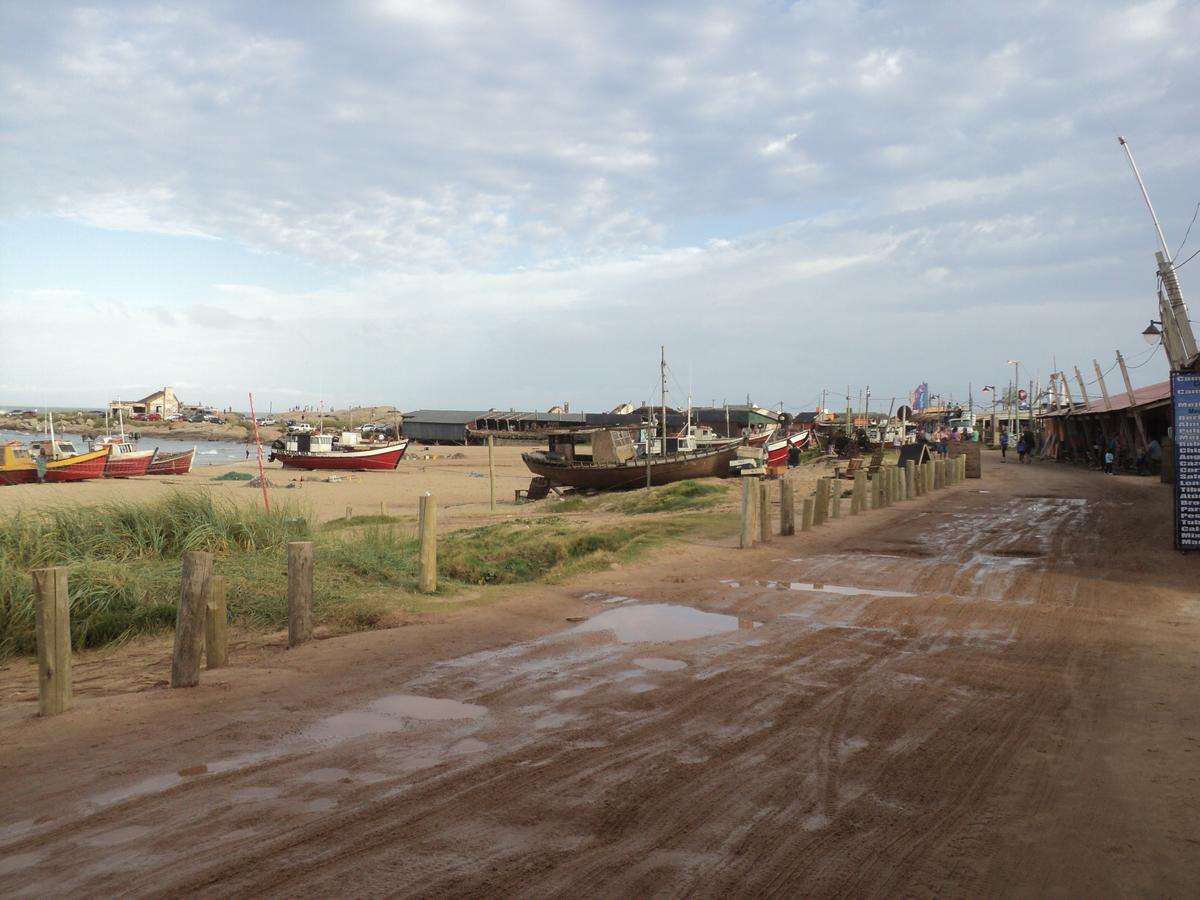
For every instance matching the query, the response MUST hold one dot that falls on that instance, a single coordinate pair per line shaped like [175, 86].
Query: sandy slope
[1024, 723]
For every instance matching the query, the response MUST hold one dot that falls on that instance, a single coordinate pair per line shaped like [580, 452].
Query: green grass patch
[125, 569]
[682, 495]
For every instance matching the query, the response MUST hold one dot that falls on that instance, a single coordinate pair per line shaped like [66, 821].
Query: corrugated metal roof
[1149, 395]
[444, 416]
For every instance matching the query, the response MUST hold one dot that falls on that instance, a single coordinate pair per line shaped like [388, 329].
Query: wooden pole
[821, 502]
[787, 508]
[764, 511]
[860, 493]
[382, 510]
[492, 473]
[215, 644]
[910, 480]
[262, 478]
[189, 618]
[1103, 388]
[349, 513]
[428, 517]
[1137, 414]
[835, 498]
[806, 514]
[53, 625]
[300, 592]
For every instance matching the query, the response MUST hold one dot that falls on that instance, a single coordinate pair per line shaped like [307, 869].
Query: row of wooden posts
[200, 618]
[889, 484]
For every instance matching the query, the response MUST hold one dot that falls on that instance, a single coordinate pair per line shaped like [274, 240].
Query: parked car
[300, 428]
[216, 420]
[138, 417]
[267, 422]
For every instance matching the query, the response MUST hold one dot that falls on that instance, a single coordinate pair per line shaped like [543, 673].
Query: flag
[920, 397]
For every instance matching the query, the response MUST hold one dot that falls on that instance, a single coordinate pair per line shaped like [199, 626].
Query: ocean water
[208, 453]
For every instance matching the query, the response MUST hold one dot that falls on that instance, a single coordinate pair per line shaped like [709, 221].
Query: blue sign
[1185, 395]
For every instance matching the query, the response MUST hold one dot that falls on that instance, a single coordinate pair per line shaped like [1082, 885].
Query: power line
[1186, 233]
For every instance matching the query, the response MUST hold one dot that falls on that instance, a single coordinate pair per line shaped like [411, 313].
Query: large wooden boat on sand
[318, 451]
[606, 459]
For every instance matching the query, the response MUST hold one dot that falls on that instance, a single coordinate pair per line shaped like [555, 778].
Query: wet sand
[996, 696]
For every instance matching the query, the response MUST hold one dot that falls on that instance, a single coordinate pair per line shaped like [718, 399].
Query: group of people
[1108, 453]
[1026, 445]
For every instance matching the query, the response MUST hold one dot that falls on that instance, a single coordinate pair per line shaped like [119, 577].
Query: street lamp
[1016, 364]
[1152, 333]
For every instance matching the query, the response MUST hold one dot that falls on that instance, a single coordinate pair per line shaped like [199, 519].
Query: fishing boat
[607, 459]
[125, 460]
[319, 451]
[79, 467]
[17, 465]
[172, 463]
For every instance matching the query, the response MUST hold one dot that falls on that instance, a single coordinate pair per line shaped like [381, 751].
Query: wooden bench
[876, 463]
[852, 466]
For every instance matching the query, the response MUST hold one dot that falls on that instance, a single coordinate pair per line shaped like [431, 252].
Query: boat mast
[663, 428]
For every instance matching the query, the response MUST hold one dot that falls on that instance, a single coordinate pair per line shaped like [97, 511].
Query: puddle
[822, 588]
[390, 714]
[117, 836]
[324, 804]
[193, 770]
[468, 745]
[656, 664]
[815, 822]
[640, 687]
[662, 622]
[568, 693]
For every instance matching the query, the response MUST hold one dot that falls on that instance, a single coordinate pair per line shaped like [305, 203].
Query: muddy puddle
[657, 623]
[390, 714]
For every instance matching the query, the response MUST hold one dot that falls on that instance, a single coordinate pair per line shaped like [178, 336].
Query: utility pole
[663, 427]
[1103, 389]
[1137, 416]
[1179, 339]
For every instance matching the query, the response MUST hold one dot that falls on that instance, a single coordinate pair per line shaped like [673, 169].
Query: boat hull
[632, 475]
[18, 475]
[374, 459]
[172, 463]
[128, 465]
[77, 468]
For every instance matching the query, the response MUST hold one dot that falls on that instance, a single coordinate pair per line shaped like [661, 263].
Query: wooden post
[382, 513]
[189, 618]
[885, 486]
[787, 508]
[806, 514]
[747, 536]
[910, 480]
[300, 592]
[835, 498]
[821, 502]
[53, 626]
[427, 513]
[492, 472]
[764, 511]
[349, 513]
[1103, 389]
[215, 644]
[860, 493]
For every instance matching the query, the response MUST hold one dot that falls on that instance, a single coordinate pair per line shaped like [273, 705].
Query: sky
[517, 204]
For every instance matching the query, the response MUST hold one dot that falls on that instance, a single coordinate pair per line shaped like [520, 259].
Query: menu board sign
[1185, 394]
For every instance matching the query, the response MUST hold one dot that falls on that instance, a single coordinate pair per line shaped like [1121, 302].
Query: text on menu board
[1185, 394]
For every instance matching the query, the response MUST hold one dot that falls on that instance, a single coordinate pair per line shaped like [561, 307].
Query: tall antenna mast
[1162, 241]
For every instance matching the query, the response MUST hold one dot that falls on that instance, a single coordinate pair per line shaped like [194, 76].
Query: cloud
[481, 178]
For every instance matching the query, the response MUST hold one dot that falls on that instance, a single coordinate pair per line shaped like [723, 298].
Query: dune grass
[124, 562]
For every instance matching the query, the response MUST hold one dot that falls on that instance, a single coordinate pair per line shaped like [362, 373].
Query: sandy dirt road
[992, 691]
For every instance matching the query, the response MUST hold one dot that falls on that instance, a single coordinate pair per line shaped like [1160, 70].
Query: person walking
[1003, 445]
[1030, 443]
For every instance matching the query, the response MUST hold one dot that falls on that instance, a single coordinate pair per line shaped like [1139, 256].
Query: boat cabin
[594, 446]
[53, 449]
[14, 453]
[309, 443]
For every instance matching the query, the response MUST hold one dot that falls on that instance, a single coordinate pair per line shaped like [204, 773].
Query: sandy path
[1019, 720]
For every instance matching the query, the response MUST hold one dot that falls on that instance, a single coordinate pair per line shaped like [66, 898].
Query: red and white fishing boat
[777, 451]
[172, 463]
[760, 438]
[318, 451]
[79, 467]
[125, 460]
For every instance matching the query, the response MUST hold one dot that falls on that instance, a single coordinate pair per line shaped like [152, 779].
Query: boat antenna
[663, 428]
[262, 480]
